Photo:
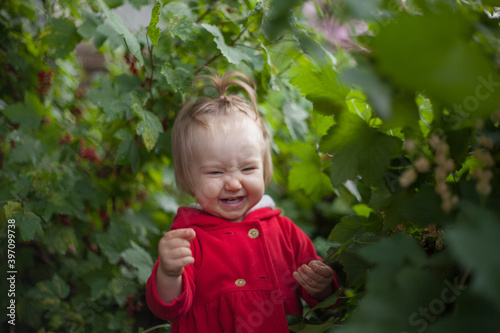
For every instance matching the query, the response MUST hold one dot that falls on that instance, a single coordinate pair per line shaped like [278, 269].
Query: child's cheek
[210, 190]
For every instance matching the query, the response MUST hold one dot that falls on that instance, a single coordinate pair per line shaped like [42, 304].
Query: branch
[219, 53]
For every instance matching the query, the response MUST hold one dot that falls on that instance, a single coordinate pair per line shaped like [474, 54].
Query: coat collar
[194, 216]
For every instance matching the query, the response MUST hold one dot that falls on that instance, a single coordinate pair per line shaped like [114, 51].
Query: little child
[232, 264]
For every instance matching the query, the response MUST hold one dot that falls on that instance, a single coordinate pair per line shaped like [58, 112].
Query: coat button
[253, 233]
[240, 282]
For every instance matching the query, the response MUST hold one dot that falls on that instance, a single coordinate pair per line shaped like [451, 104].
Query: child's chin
[234, 218]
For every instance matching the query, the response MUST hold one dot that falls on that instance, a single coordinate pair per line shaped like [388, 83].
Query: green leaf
[114, 3]
[10, 209]
[363, 9]
[307, 174]
[474, 243]
[109, 97]
[140, 259]
[457, 72]
[28, 224]
[24, 115]
[322, 89]
[51, 292]
[115, 240]
[296, 113]
[153, 29]
[59, 238]
[179, 78]
[104, 33]
[61, 37]
[358, 149]
[232, 54]
[28, 149]
[149, 128]
[378, 92]
[423, 208]
[132, 42]
[88, 28]
[329, 301]
[352, 227]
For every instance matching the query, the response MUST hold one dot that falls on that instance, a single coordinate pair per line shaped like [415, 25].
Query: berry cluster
[482, 152]
[65, 220]
[68, 138]
[444, 166]
[89, 153]
[432, 234]
[77, 111]
[44, 81]
[131, 61]
[131, 307]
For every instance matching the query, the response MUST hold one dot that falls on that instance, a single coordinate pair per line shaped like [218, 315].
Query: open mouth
[232, 201]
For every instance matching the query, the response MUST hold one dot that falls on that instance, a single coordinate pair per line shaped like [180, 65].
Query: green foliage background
[386, 153]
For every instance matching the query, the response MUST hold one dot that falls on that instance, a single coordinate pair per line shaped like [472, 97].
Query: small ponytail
[222, 83]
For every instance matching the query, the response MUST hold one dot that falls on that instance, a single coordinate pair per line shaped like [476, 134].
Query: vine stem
[150, 84]
[151, 329]
[219, 53]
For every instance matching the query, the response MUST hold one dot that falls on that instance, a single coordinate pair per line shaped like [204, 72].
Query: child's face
[227, 171]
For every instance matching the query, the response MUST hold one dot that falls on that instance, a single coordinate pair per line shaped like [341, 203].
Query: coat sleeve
[305, 252]
[179, 306]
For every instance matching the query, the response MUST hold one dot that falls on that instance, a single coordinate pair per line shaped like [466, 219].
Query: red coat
[241, 280]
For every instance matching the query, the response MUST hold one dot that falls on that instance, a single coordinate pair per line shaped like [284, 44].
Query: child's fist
[175, 251]
[316, 279]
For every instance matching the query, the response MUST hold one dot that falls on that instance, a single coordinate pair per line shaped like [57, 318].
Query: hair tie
[222, 97]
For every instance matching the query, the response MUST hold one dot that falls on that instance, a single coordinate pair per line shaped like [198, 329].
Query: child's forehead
[224, 125]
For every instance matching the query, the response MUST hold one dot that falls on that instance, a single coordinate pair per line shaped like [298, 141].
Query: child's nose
[232, 184]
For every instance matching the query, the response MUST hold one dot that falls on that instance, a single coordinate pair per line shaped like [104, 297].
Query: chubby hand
[316, 279]
[174, 250]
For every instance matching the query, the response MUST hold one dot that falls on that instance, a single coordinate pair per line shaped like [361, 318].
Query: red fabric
[224, 252]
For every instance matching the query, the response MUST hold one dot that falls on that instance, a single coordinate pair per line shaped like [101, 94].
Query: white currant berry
[408, 177]
[422, 165]
[410, 145]
[446, 206]
[439, 244]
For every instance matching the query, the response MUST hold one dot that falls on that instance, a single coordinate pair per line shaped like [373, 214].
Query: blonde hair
[200, 112]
